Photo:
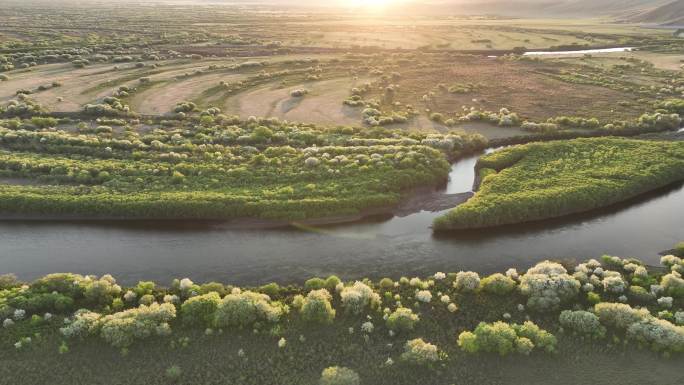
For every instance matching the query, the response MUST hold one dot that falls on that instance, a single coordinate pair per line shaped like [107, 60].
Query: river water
[373, 248]
[579, 52]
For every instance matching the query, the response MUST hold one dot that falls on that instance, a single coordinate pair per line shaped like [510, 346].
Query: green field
[542, 181]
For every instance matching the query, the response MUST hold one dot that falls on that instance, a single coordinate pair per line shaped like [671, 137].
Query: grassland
[542, 181]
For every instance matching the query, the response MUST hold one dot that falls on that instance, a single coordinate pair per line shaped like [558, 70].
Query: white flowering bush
[679, 318]
[547, 285]
[367, 327]
[424, 296]
[123, 328]
[619, 315]
[659, 335]
[670, 260]
[7, 323]
[439, 276]
[101, 292]
[467, 281]
[358, 297]
[673, 284]
[614, 284]
[665, 302]
[316, 307]
[402, 319]
[582, 322]
[419, 352]
[244, 308]
[200, 310]
[19, 314]
[84, 323]
[130, 296]
[337, 375]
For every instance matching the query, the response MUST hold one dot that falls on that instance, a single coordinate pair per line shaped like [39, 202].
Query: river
[373, 248]
[579, 52]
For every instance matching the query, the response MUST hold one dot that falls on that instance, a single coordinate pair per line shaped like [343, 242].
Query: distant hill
[555, 8]
[671, 13]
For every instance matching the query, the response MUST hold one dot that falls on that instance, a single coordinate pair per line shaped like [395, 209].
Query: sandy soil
[162, 98]
[323, 104]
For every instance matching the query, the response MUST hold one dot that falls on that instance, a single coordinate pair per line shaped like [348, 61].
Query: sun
[371, 3]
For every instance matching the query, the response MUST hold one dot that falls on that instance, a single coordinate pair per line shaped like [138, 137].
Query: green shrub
[314, 283]
[245, 308]
[271, 289]
[502, 338]
[200, 310]
[316, 307]
[582, 322]
[402, 320]
[498, 284]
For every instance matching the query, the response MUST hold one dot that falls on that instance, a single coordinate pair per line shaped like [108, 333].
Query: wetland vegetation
[216, 121]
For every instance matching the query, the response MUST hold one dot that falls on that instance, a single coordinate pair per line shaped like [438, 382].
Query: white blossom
[424, 296]
[186, 284]
[665, 302]
[19, 314]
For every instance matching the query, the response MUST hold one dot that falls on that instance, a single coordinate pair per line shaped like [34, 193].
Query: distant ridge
[670, 14]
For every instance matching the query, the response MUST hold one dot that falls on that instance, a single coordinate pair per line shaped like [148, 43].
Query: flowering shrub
[358, 297]
[402, 319]
[337, 375]
[673, 284]
[200, 310]
[547, 285]
[316, 307]
[84, 323]
[582, 322]
[497, 284]
[467, 281]
[245, 308]
[101, 292]
[123, 328]
[614, 284]
[619, 315]
[419, 352]
[659, 335]
[424, 296]
[500, 337]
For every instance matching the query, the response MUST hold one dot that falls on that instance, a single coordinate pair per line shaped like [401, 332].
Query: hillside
[671, 13]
